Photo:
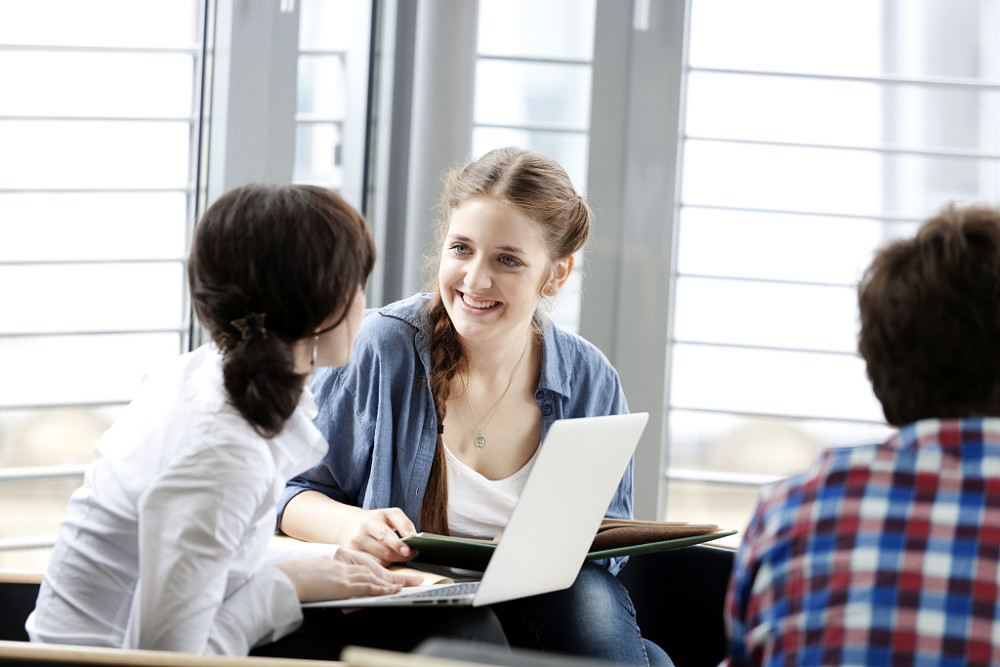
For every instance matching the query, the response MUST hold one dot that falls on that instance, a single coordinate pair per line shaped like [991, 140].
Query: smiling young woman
[436, 421]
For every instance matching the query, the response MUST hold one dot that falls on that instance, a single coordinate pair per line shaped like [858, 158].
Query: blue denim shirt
[378, 414]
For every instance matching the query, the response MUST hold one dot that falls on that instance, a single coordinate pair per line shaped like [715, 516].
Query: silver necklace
[480, 438]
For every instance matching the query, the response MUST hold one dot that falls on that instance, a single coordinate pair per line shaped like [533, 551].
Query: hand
[348, 574]
[378, 532]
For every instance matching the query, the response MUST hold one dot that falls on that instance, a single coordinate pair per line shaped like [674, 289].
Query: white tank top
[480, 507]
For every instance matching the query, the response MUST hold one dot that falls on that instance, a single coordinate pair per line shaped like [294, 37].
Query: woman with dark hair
[438, 419]
[165, 544]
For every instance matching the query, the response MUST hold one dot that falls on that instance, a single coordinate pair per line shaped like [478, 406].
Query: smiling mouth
[476, 303]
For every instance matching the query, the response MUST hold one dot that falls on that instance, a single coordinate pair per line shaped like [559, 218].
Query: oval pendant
[480, 441]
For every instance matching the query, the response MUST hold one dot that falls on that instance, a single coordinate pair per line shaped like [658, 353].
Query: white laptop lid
[568, 492]
[546, 541]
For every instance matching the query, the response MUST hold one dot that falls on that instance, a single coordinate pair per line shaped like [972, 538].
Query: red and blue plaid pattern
[878, 555]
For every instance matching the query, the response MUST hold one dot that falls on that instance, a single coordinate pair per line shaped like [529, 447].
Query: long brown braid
[446, 359]
[537, 185]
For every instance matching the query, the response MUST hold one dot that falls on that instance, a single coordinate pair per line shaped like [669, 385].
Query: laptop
[546, 540]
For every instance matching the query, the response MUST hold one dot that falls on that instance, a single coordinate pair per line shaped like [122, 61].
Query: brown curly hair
[930, 319]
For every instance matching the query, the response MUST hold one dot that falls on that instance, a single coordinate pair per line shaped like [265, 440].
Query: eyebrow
[503, 248]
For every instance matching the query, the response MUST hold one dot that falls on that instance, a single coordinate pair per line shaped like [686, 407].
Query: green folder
[472, 554]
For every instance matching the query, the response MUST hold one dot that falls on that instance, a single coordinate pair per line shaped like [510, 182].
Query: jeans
[594, 618]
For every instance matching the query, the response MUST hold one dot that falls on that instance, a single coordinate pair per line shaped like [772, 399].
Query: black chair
[17, 598]
[679, 598]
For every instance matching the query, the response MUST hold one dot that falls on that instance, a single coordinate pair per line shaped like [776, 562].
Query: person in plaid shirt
[889, 554]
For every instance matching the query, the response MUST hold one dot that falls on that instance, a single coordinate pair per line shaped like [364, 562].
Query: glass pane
[39, 83]
[771, 382]
[811, 110]
[321, 89]
[912, 38]
[89, 369]
[781, 246]
[568, 148]
[740, 312]
[94, 154]
[118, 23]
[738, 444]
[730, 443]
[92, 297]
[758, 35]
[831, 180]
[842, 112]
[537, 28]
[55, 436]
[727, 506]
[333, 24]
[782, 178]
[516, 93]
[68, 226]
[318, 155]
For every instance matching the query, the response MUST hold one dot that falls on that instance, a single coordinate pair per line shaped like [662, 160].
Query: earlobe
[560, 274]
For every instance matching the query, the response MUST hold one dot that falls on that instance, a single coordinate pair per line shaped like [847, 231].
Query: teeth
[478, 304]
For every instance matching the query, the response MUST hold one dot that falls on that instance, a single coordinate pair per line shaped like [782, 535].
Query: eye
[459, 249]
[507, 260]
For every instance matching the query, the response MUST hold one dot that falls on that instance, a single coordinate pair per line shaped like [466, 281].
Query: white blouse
[164, 546]
[477, 506]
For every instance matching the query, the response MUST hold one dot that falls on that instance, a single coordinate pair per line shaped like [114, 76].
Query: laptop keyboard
[444, 591]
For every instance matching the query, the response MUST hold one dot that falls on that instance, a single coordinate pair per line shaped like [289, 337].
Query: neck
[495, 358]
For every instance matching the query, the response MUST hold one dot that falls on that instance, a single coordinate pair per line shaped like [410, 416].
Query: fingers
[398, 521]
[384, 532]
[405, 579]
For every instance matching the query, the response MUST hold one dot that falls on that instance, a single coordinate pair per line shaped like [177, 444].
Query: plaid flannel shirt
[878, 555]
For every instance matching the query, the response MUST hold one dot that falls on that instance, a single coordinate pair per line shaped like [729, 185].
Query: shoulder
[390, 338]
[397, 322]
[570, 354]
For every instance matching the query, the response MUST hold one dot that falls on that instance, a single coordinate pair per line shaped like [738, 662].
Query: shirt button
[546, 410]
[538, 395]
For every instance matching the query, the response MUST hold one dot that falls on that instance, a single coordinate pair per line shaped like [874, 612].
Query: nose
[477, 275]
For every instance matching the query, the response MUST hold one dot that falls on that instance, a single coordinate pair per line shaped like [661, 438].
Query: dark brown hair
[930, 319]
[294, 254]
[541, 189]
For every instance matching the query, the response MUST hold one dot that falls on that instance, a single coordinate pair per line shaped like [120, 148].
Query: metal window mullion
[763, 348]
[885, 150]
[175, 50]
[65, 262]
[18, 407]
[534, 127]
[312, 51]
[769, 281]
[305, 118]
[92, 332]
[26, 543]
[530, 60]
[124, 190]
[36, 473]
[720, 477]
[929, 82]
[774, 415]
[878, 217]
[101, 119]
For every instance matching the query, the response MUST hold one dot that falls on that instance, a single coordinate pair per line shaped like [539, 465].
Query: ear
[558, 276]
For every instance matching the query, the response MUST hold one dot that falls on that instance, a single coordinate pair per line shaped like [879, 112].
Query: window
[533, 82]
[332, 95]
[101, 175]
[98, 121]
[814, 133]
